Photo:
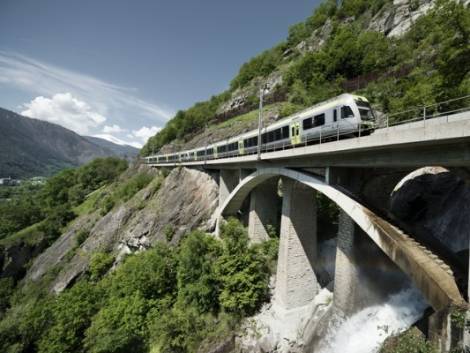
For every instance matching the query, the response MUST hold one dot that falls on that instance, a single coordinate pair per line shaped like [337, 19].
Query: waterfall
[365, 331]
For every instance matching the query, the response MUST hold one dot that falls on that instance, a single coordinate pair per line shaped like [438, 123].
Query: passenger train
[342, 116]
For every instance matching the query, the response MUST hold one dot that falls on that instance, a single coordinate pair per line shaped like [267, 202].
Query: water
[365, 331]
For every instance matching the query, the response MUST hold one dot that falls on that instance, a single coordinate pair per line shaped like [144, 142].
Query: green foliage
[81, 236]
[6, 290]
[107, 205]
[436, 47]
[328, 211]
[120, 326]
[57, 218]
[165, 299]
[70, 316]
[53, 202]
[19, 208]
[410, 341]
[152, 273]
[198, 284]
[178, 331]
[242, 271]
[185, 123]
[132, 186]
[353, 8]
[261, 65]
[325, 10]
[169, 231]
[100, 263]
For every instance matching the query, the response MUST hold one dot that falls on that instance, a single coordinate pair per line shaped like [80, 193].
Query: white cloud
[106, 98]
[118, 141]
[65, 110]
[114, 129]
[144, 133]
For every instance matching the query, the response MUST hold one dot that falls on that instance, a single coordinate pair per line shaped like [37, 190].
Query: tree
[198, 285]
[243, 272]
[119, 327]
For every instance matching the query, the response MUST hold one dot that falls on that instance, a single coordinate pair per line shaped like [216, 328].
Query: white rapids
[365, 331]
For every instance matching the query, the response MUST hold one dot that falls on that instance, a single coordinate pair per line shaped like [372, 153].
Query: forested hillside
[112, 258]
[32, 147]
[364, 47]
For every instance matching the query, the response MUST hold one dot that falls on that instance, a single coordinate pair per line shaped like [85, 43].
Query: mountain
[124, 151]
[31, 147]
[399, 54]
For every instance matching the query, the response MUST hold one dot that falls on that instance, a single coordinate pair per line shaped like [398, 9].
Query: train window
[335, 115]
[210, 151]
[285, 132]
[366, 114]
[346, 112]
[232, 146]
[319, 120]
[222, 149]
[251, 142]
[361, 103]
[277, 135]
[264, 138]
[307, 124]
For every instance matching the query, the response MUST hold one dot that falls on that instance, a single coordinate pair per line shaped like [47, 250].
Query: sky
[119, 69]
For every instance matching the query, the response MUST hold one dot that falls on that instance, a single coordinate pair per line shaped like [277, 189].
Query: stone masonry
[296, 284]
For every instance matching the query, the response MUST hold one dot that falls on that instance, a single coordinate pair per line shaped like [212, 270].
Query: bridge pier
[346, 271]
[264, 202]
[228, 180]
[296, 283]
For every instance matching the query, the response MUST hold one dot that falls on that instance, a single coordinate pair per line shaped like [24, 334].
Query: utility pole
[260, 117]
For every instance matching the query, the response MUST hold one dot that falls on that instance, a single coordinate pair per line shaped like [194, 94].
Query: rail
[330, 133]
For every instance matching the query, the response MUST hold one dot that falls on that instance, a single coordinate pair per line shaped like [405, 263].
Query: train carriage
[342, 116]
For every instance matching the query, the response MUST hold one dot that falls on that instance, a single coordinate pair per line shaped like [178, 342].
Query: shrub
[178, 331]
[132, 186]
[71, 315]
[107, 205]
[6, 290]
[242, 272]
[82, 235]
[100, 263]
[169, 231]
[152, 273]
[120, 326]
[198, 285]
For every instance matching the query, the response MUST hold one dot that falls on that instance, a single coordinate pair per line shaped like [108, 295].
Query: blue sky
[120, 69]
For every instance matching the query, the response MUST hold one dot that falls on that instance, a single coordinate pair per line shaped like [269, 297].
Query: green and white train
[344, 116]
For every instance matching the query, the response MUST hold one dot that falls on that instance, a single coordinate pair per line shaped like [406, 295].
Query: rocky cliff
[163, 211]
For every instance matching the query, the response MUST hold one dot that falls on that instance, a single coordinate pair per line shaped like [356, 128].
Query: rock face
[437, 203]
[186, 200]
[395, 20]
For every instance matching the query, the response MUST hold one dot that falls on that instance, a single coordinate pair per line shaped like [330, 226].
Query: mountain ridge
[31, 147]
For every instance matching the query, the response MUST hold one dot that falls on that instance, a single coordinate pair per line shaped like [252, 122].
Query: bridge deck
[444, 140]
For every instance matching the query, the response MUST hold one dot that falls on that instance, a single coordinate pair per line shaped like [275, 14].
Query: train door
[295, 133]
[241, 147]
[334, 121]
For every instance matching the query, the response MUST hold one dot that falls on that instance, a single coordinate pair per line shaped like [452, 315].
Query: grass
[30, 235]
[90, 203]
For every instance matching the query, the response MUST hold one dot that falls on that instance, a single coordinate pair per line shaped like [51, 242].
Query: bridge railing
[329, 133]
[426, 112]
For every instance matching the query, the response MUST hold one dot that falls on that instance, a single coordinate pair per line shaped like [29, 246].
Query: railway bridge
[358, 175]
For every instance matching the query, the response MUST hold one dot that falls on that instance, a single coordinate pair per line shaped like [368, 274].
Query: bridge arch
[434, 279]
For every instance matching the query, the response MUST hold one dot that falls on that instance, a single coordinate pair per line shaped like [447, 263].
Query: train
[346, 115]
